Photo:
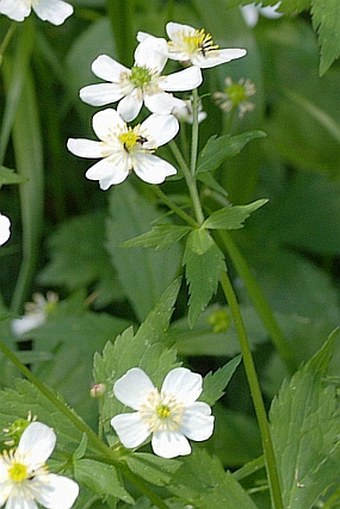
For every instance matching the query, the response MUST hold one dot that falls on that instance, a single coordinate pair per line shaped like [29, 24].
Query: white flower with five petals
[123, 149]
[172, 415]
[192, 46]
[24, 476]
[5, 229]
[142, 83]
[54, 11]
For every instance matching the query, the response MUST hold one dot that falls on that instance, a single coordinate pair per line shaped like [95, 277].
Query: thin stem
[249, 468]
[255, 390]
[172, 205]
[83, 427]
[6, 40]
[259, 301]
[194, 137]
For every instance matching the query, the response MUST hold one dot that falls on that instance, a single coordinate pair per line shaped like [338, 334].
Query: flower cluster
[5, 229]
[54, 11]
[123, 148]
[24, 476]
[172, 415]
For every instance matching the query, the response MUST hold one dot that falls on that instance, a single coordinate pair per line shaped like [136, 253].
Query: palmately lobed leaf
[204, 263]
[214, 384]
[326, 21]
[305, 424]
[232, 218]
[219, 148]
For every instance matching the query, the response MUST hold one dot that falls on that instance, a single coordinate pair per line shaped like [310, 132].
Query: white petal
[54, 11]
[176, 30]
[197, 422]
[133, 388]
[108, 69]
[15, 9]
[160, 129]
[250, 14]
[188, 79]
[151, 53]
[169, 444]
[85, 148]
[217, 57]
[20, 502]
[60, 493]
[131, 430]
[161, 103]
[22, 325]
[5, 229]
[105, 122]
[270, 12]
[152, 169]
[109, 171]
[130, 105]
[183, 384]
[37, 442]
[101, 94]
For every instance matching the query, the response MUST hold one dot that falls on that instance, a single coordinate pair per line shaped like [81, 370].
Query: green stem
[83, 427]
[172, 205]
[194, 137]
[255, 390]
[259, 301]
[6, 40]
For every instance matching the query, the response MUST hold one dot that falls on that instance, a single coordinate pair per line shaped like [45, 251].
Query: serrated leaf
[215, 383]
[8, 176]
[101, 479]
[326, 21]
[202, 481]
[204, 263]
[305, 423]
[219, 148]
[79, 258]
[146, 349]
[143, 273]
[161, 236]
[232, 218]
[153, 469]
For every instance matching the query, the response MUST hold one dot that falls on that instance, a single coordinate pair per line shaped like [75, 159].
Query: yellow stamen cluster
[200, 41]
[18, 472]
[129, 139]
[163, 411]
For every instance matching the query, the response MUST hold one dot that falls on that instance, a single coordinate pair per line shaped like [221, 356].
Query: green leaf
[202, 482]
[146, 349]
[161, 236]
[219, 148]
[215, 383]
[8, 176]
[204, 263]
[143, 273]
[289, 6]
[79, 258]
[101, 479]
[305, 423]
[153, 469]
[326, 21]
[232, 218]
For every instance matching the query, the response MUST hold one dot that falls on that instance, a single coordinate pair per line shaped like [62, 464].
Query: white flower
[54, 11]
[252, 12]
[142, 83]
[185, 114]
[24, 476]
[36, 313]
[236, 95]
[5, 229]
[171, 415]
[123, 149]
[187, 44]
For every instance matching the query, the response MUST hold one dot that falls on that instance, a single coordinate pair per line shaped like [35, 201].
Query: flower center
[200, 41]
[140, 77]
[162, 411]
[236, 93]
[18, 472]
